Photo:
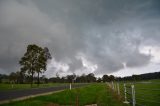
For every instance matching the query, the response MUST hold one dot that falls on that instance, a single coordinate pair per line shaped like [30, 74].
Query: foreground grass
[8, 87]
[96, 93]
[147, 92]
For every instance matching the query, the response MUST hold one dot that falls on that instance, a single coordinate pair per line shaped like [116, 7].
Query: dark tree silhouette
[105, 78]
[35, 60]
[13, 77]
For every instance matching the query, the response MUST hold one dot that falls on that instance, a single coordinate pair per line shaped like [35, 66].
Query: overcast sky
[119, 37]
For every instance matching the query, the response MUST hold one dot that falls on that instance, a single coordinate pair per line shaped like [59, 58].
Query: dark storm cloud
[107, 32]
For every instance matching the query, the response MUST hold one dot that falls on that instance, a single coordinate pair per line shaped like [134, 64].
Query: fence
[138, 94]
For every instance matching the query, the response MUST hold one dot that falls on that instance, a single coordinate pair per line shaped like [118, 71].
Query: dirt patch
[91, 105]
[52, 104]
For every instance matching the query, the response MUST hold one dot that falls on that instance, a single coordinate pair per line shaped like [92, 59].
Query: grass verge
[8, 87]
[98, 94]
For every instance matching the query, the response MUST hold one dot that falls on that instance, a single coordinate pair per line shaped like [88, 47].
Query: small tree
[105, 78]
[111, 78]
[99, 79]
[91, 78]
[13, 77]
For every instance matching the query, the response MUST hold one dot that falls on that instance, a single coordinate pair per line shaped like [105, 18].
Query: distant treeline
[18, 77]
[146, 76]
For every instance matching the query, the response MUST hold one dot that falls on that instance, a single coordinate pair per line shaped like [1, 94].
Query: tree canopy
[35, 60]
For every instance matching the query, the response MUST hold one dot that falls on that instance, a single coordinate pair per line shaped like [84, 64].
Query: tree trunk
[38, 80]
[32, 79]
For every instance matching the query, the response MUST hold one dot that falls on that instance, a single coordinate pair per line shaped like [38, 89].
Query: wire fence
[136, 94]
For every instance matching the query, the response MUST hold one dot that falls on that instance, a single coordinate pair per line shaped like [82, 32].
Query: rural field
[79, 52]
[98, 93]
[147, 93]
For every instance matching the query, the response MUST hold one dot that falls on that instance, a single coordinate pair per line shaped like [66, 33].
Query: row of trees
[83, 78]
[20, 77]
[146, 76]
[75, 78]
[105, 78]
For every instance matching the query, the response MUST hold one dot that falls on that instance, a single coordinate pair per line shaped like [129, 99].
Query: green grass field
[7, 87]
[147, 93]
[92, 94]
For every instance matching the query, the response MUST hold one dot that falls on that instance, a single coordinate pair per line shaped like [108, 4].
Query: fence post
[112, 85]
[70, 86]
[125, 95]
[133, 96]
[108, 83]
[118, 89]
[115, 86]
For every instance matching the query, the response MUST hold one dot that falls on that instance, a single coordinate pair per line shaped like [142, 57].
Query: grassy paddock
[94, 93]
[147, 92]
[7, 87]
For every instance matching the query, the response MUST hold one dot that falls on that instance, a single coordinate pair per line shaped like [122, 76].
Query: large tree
[35, 60]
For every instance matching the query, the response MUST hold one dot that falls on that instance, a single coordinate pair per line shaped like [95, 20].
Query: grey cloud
[76, 64]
